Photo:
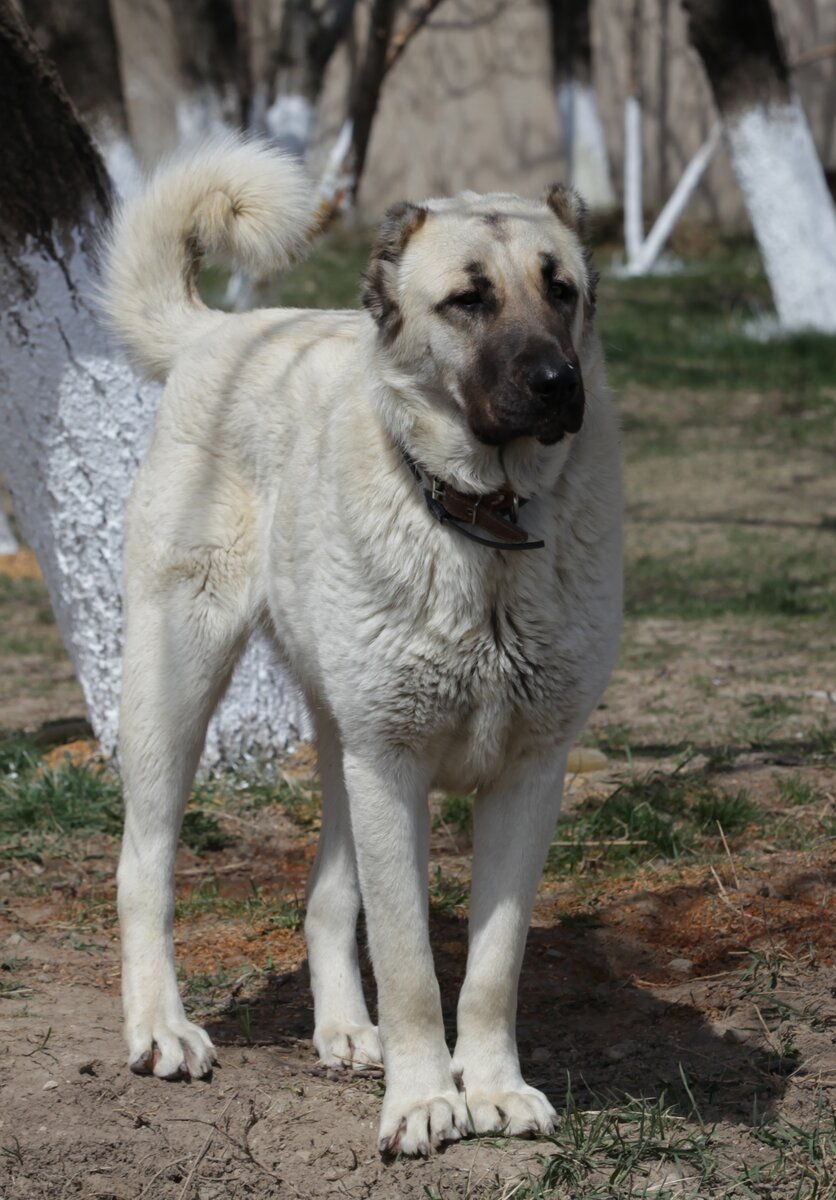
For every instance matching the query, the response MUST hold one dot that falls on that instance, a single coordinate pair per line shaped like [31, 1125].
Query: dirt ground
[628, 981]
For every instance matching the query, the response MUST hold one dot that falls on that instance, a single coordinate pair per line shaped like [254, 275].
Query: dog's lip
[546, 437]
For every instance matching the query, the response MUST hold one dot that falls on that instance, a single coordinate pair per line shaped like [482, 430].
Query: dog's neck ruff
[490, 518]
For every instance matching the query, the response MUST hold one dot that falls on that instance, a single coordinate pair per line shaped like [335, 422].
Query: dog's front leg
[422, 1107]
[513, 826]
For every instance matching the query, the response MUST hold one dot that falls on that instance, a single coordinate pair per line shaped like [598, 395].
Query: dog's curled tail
[233, 196]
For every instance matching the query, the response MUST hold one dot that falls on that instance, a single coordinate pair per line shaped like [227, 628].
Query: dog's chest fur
[474, 657]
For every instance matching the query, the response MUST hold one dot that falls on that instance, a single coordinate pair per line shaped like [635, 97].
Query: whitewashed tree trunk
[74, 418]
[577, 104]
[791, 210]
[773, 155]
[586, 145]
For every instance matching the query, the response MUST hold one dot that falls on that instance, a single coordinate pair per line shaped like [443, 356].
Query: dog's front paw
[413, 1125]
[521, 1112]
[171, 1049]
[343, 1044]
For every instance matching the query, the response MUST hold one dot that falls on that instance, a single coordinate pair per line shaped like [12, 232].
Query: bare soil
[628, 980]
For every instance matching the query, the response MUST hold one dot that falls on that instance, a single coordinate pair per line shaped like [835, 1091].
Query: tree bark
[78, 37]
[294, 73]
[368, 84]
[773, 156]
[74, 419]
[207, 34]
[577, 104]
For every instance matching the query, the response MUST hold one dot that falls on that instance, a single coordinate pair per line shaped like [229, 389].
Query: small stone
[682, 966]
[555, 954]
[14, 939]
[49, 1085]
[541, 1054]
[584, 759]
[621, 1050]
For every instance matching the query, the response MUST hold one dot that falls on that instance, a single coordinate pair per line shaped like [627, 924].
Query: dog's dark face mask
[486, 299]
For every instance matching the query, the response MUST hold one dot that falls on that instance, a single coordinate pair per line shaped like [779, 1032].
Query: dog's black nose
[553, 380]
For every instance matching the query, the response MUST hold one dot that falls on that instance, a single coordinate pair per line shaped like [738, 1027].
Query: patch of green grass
[805, 1155]
[456, 812]
[797, 791]
[731, 811]
[768, 708]
[582, 919]
[621, 1149]
[613, 739]
[646, 818]
[688, 330]
[66, 799]
[17, 756]
[446, 893]
[202, 832]
[685, 586]
[12, 988]
[257, 907]
[217, 991]
[28, 594]
[328, 278]
[249, 786]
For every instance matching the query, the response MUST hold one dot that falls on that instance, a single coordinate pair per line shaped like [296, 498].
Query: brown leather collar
[493, 512]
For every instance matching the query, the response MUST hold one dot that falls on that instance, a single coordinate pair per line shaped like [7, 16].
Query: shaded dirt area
[720, 969]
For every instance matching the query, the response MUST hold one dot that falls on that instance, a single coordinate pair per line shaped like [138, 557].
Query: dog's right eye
[472, 299]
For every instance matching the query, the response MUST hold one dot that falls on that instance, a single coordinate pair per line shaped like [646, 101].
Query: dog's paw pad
[523, 1112]
[350, 1047]
[414, 1127]
[175, 1051]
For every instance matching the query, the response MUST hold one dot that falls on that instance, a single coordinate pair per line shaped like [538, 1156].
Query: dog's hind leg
[179, 653]
[343, 1035]
[513, 824]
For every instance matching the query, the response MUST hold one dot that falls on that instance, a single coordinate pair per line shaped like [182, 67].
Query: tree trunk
[773, 156]
[368, 84]
[74, 419]
[78, 37]
[293, 74]
[577, 104]
[206, 33]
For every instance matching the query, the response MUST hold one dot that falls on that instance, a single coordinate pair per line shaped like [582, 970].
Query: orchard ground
[677, 997]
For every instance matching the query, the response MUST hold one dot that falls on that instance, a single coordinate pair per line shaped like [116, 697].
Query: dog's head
[485, 299]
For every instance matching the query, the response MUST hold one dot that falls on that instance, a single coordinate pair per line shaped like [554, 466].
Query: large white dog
[422, 500]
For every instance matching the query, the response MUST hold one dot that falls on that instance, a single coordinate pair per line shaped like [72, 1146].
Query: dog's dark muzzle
[538, 394]
[554, 382]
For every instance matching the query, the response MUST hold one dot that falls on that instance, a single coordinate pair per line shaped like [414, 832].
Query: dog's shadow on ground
[587, 1021]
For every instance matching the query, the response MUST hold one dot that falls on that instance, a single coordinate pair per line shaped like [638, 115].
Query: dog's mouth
[497, 426]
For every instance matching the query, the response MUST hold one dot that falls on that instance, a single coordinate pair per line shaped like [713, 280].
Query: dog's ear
[568, 207]
[379, 293]
[571, 210]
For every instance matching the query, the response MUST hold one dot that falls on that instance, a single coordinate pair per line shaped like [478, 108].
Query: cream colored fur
[273, 492]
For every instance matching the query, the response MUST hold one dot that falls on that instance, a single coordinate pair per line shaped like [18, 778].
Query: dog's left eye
[558, 289]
